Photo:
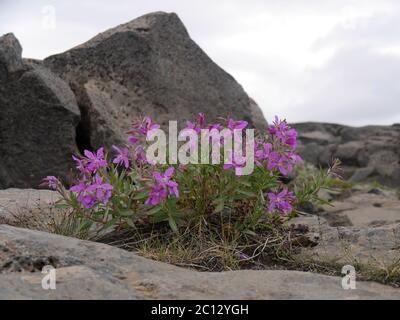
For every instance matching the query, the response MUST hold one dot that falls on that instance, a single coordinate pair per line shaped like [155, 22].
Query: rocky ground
[87, 270]
[361, 228]
[370, 153]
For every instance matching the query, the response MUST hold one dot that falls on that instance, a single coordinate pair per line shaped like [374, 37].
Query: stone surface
[362, 227]
[10, 54]
[23, 201]
[370, 153]
[378, 246]
[87, 270]
[364, 206]
[38, 116]
[149, 66]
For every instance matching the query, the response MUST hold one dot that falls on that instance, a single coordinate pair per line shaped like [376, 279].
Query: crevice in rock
[83, 129]
[83, 133]
[16, 262]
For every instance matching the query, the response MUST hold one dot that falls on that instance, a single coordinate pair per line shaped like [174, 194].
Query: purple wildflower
[147, 125]
[139, 129]
[284, 133]
[101, 189]
[198, 125]
[51, 182]
[80, 164]
[215, 126]
[237, 162]
[238, 125]
[281, 162]
[294, 157]
[191, 125]
[281, 201]
[90, 192]
[132, 139]
[95, 160]
[141, 156]
[164, 186]
[79, 188]
[201, 119]
[122, 156]
[262, 153]
[236, 166]
[156, 193]
[87, 201]
[165, 180]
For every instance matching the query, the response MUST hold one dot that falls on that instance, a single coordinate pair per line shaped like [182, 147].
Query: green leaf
[246, 193]
[140, 196]
[85, 225]
[159, 217]
[125, 212]
[111, 222]
[154, 210]
[172, 224]
[245, 183]
[62, 205]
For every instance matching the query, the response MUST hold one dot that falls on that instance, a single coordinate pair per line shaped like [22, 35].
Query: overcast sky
[332, 61]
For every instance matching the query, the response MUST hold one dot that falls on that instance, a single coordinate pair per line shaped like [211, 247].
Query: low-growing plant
[131, 192]
[309, 180]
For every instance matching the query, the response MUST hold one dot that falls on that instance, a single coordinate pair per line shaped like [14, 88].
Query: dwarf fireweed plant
[128, 190]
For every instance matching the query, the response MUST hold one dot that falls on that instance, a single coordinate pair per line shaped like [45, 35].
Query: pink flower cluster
[90, 188]
[280, 153]
[50, 181]
[162, 187]
[137, 136]
[275, 151]
[281, 201]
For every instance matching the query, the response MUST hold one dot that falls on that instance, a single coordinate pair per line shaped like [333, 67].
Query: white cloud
[306, 59]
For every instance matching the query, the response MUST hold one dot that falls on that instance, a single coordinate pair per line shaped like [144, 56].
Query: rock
[369, 153]
[365, 206]
[374, 245]
[363, 227]
[26, 201]
[362, 174]
[10, 54]
[149, 66]
[87, 270]
[38, 119]
[91, 284]
[257, 116]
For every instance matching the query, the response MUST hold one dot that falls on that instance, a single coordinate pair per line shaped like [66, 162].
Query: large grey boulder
[149, 66]
[38, 119]
[88, 270]
[370, 153]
